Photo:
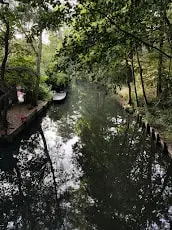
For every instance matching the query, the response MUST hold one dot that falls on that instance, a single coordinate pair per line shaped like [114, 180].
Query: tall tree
[7, 20]
[36, 18]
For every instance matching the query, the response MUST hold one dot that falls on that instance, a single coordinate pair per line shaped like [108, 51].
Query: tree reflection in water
[87, 165]
[37, 205]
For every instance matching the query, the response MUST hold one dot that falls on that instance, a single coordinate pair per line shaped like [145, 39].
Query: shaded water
[86, 165]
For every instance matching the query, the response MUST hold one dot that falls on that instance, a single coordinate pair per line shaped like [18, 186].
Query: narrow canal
[86, 165]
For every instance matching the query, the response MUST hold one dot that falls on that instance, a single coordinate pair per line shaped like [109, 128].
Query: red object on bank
[23, 118]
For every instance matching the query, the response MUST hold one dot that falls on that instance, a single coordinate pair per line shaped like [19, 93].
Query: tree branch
[31, 44]
[111, 20]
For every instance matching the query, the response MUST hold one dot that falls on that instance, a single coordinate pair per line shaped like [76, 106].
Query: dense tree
[7, 20]
[34, 21]
[106, 31]
[29, 19]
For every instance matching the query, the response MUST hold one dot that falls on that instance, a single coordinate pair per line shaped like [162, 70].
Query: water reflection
[86, 165]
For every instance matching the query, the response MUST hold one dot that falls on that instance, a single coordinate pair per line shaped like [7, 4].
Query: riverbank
[19, 117]
[158, 119]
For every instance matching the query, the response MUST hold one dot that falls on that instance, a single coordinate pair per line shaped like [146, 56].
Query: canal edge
[24, 124]
[146, 127]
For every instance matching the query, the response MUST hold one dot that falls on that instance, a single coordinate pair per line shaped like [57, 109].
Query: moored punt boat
[60, 96]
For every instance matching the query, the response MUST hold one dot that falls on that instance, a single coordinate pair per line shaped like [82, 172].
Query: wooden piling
[137, 118]
[153, 134]
[140, 120]
[143, 125]
[165, 149]
[148, 129]
[158, 140]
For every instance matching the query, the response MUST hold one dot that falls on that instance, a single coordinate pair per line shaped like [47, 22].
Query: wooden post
[165, 150]
[153, 134]
[158, 140]
[148, 128]
[140, 120]
[143, 125]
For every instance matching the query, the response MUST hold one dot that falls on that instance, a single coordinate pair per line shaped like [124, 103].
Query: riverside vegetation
[126, 46]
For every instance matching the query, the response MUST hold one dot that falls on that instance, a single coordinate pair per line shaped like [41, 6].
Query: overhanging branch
[134, 36]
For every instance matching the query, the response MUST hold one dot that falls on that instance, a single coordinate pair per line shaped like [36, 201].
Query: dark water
[86, 165]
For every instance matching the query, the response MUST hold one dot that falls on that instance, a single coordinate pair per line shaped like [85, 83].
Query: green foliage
[22, 60]
[62, 78]
[58, 78]
[30, 19]
[44, 92]
[21, 71]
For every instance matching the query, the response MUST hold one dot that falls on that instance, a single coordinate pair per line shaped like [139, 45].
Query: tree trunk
[169, 68]
[134, 79]
[160, 69]
[168, 81]
[6, 43]
[129, 80]
[141, 78]
[163, 20]
[129, 93]
[38, 70]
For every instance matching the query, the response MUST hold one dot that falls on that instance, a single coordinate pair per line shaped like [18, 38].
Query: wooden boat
[60, 96]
